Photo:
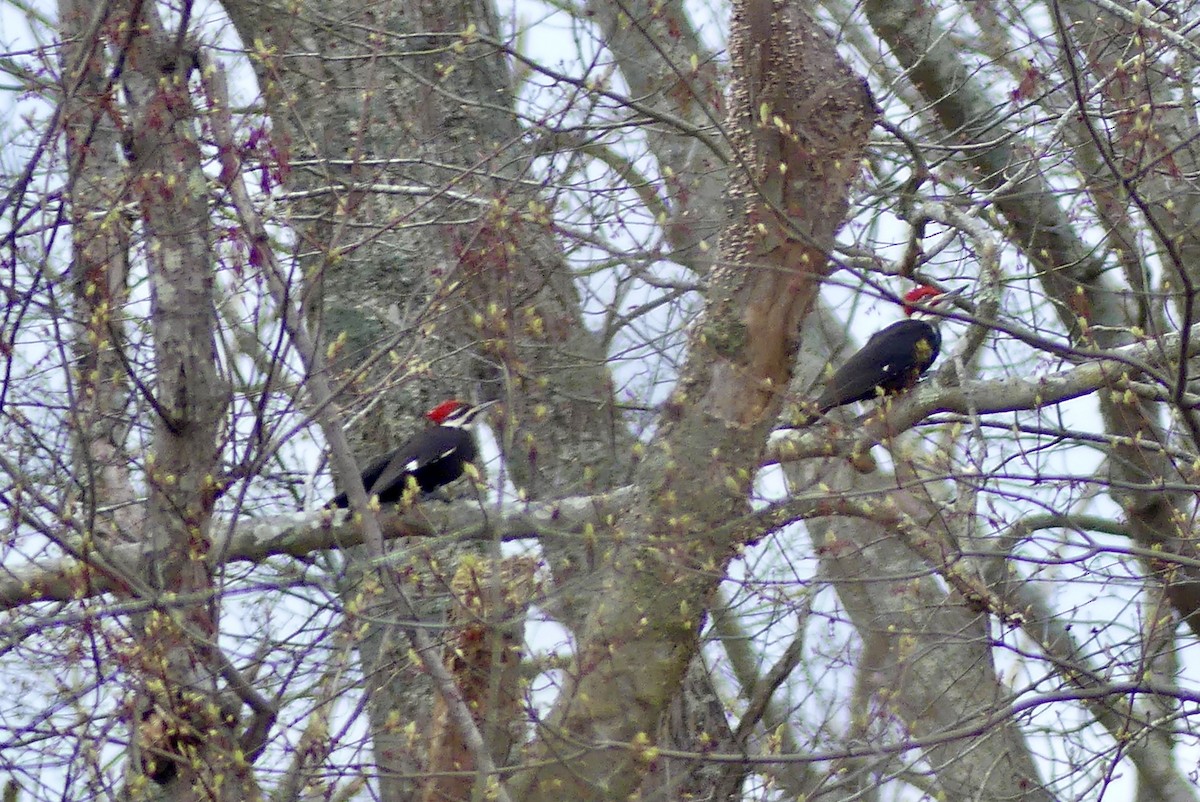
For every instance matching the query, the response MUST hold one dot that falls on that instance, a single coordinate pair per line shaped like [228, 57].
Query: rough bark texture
[189, 400]
[663, 60]
[99, 270]
[435, 275]
[459, 293]
[799, 122]
[487, 622]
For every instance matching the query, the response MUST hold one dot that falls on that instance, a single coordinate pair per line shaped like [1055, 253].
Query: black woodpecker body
[895, 358]
[433, 458]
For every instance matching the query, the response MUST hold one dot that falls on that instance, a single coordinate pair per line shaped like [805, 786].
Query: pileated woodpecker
[894, 358]
[433, 458]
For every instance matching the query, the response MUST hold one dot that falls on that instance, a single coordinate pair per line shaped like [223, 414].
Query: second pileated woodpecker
[433, 458]
[894, 358]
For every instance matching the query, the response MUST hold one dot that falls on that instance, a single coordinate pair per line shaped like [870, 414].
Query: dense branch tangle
[650, 272]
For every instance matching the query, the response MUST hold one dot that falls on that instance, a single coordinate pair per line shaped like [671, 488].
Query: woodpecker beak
[945, 297]
[936, 303]
[476, 411]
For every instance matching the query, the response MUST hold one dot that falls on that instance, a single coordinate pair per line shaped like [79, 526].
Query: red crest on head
[917, 295]
[443, 410]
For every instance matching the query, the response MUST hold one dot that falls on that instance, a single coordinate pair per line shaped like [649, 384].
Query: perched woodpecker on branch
[895, 358]
[433, 458]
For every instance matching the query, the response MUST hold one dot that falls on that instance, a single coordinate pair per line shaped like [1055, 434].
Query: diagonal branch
[321, 392]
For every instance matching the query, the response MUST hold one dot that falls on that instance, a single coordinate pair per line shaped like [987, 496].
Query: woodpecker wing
[435, 457]
[370, 476]
[891, 361]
